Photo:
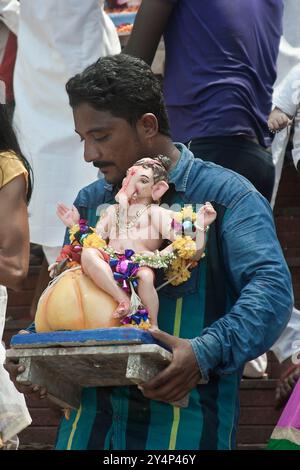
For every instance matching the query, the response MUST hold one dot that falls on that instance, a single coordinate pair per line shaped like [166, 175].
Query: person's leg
[94, 266]
[241, 155]
[148, 294]
[13, 411]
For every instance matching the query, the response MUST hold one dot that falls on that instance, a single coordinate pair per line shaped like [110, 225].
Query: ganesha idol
[105, 277]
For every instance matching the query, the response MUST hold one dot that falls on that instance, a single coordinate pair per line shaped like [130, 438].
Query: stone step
[251, 447]
[259, 416]
[286, 211]
[42, 437]
[288, 223]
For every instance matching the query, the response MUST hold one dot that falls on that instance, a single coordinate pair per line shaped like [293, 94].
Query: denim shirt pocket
[186, 288]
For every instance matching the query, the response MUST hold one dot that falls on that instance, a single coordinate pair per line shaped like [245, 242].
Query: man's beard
[116, 179]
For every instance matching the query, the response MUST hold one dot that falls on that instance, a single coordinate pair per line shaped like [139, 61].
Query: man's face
[110, 143]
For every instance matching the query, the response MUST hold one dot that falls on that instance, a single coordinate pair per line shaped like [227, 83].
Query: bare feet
[123, 309]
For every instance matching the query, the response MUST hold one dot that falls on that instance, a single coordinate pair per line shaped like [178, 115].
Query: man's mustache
[101, 165]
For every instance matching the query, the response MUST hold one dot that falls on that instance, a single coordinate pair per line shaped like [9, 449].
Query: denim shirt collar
[180, 173]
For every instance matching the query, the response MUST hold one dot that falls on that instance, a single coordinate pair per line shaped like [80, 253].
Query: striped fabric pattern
[286, 435]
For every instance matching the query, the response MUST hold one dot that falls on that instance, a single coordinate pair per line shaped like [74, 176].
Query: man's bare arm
[14, 233]
[148, 28]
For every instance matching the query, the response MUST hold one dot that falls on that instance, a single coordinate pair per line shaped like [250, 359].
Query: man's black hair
[123, 85]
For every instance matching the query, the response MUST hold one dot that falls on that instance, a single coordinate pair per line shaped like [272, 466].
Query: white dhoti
[14, 415]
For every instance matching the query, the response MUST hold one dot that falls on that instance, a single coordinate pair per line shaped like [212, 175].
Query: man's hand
[286, 385]
[14, 369]
[278, 120]
[181, 375]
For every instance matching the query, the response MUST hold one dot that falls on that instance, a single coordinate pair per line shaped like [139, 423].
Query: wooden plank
[63, 392]
[140, 368]
[65, 371]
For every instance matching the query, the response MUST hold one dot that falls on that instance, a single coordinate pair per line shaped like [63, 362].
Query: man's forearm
[149, 26]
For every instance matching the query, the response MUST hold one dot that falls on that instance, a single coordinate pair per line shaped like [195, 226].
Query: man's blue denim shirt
[254, 270]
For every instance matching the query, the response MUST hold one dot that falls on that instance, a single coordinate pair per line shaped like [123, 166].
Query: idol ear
[159, 189]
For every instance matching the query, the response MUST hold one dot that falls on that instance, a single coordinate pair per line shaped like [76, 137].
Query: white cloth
[287, 94]
[289, 341]
[289, 56]
[9, 14]
[256, 368]
[56, 40]
[287, 98]
[51, 253]
[289, 49]
[14, 415]
[9, 19]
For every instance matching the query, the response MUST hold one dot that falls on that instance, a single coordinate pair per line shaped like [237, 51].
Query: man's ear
[147, 126]
[159, 189]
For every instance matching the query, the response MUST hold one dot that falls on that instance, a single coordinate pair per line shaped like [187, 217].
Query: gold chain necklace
[132, 222]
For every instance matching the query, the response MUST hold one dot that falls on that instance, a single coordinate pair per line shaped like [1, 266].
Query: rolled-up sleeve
[258, 273]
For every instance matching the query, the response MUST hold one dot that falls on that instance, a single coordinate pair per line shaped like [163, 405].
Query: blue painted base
[84, 337]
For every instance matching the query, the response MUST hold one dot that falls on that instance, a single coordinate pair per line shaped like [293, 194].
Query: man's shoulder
[210, 182]
[93, 194]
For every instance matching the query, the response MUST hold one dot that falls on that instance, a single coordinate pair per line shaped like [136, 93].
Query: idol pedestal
[64, 362]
